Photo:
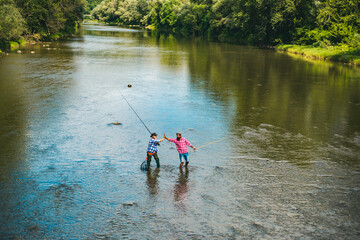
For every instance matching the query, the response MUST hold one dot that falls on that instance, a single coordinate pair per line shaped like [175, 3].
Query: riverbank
[27, 40]
[332, 53]
[342, 54]
[12, 45]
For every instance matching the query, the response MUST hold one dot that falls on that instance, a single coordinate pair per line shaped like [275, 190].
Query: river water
[286, 164]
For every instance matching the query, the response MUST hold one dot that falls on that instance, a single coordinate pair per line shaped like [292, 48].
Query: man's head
[153, 135]
[178, 136]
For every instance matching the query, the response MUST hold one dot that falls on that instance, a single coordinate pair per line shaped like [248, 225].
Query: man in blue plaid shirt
[152, 149]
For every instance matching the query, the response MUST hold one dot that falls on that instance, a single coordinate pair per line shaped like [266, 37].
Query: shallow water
[287, 165]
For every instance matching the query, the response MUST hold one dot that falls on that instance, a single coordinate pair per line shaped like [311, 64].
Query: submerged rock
[33, 228]
[129, 204]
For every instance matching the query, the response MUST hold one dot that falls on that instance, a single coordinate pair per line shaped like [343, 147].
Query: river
[282, 141]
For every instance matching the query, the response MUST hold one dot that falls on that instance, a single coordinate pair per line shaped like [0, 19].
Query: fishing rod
[150, 131]
[135, 113]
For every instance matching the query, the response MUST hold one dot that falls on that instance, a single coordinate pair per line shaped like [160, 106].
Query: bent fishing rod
[135, 112]
[150, 131]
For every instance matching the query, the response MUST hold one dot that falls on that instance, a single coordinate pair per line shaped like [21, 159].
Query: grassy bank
[12, 45]
[342, 54]
[30, 39]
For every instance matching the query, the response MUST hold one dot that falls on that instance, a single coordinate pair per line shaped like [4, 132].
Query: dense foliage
[261, 22]
[40, 18]
[12, 24]
[91, 4]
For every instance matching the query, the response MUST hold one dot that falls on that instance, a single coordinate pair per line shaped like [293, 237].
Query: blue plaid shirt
[152, 147]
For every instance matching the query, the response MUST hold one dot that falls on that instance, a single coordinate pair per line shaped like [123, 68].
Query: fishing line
[211, 143]
[135, 112]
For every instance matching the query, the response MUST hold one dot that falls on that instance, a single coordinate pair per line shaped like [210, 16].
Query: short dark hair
[153, 134]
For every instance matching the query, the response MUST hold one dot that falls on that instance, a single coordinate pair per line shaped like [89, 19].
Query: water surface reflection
[152, 181]
[181, 186]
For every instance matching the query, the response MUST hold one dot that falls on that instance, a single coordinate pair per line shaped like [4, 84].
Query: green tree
[340, 20]
[91, 4]
[12, 24]
[107, 11]
[164, 13]
[51, 16]
[287, 16]
[132, 12]
[74, 14]
[194, 19]
[258, 22]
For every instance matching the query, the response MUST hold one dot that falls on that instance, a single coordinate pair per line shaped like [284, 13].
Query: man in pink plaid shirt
[181, 145]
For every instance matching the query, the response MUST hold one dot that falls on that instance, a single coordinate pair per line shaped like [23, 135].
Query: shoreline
[33, 39]
[338, 54]
[332, 53]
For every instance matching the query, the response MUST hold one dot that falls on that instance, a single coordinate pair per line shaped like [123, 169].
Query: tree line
[256, 22]
[39, 18]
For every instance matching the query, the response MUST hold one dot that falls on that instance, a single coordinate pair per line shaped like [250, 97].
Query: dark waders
[149, 155]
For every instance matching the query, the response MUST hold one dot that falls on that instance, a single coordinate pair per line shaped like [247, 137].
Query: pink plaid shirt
[181, 145]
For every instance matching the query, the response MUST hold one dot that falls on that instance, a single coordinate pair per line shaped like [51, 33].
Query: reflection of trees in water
[181, 186]
[276, 89]
[13, 116]
[152, 182]
[33, 92]
[270, 98]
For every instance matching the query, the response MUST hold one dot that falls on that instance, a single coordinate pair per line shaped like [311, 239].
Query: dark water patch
[258, 228]
[51, 168]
